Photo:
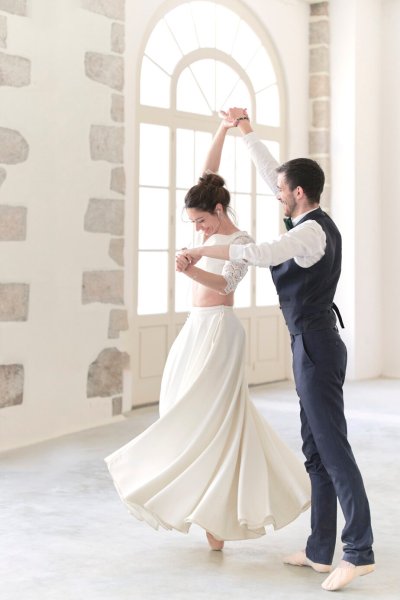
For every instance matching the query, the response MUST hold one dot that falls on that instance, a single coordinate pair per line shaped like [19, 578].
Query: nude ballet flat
[344, 574]
[213, 542]
[299, 559]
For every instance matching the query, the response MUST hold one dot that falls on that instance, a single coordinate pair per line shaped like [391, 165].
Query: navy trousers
[319, 366]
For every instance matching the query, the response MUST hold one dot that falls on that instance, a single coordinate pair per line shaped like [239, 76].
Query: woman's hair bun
[212, 179]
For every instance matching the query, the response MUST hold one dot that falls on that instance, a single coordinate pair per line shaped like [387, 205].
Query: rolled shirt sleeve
[263, 160]
[305, 243]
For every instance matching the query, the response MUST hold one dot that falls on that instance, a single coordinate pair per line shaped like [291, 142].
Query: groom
[305, 265]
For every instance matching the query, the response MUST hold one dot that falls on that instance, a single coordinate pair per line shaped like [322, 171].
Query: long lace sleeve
[233, 272]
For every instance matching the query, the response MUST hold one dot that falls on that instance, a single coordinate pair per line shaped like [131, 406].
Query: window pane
[261, 71]
[204, 22]
[226, 80]
[154, 155]
[204, 72]
[246, 45]
[162, 48]
[265, 290]
[153, 283]
[154, 85]
[184, 237]
[238, 96]
[243, 292]
[268, 111]
[241, 204]
[183, 293]
[184, 158]
[242, 167]
[181, 24]
[202, 145]
[227, 25]
[189, 95]
[268, 219]
[153, 219]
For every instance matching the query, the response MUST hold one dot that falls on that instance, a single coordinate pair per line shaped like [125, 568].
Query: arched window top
[202, 56]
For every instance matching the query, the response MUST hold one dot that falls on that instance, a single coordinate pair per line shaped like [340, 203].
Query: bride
[210, 459]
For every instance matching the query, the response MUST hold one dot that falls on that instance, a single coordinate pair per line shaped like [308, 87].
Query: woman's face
[204, 221]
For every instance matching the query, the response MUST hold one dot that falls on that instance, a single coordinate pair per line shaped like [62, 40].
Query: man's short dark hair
[305, 173]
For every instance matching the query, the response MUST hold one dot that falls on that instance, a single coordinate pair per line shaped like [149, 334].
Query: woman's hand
[193, 254]
[181, 263]
[226, 122]
[232, 115]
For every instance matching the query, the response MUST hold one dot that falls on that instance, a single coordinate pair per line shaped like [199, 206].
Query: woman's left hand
[181, 263]
[193, 254]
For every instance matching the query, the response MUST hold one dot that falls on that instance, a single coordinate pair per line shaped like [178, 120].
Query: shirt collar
[300, 217]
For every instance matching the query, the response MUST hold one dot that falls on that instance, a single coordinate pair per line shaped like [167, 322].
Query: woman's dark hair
[305, 173]
[209, 192]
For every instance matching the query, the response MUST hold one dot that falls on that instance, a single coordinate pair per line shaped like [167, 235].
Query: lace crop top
[232, 272]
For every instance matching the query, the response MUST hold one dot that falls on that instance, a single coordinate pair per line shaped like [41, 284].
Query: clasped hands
[186, 258]
[232, 116]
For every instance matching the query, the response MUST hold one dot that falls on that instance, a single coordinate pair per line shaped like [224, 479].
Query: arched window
[200, 57]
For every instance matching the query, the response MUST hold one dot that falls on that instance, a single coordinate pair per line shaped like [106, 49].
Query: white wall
[356, 176]
[62, 336]
[389, 196]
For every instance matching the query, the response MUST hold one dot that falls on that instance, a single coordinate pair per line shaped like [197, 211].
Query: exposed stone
[105, 216]
[114, 9]
[117, 183]
[3, 175]
[319, 59]
[14, 301]
[107, 143]
[116, 406]
[321, 114]
[16, 7]
[118, 322]
[12, 223]
[13, 147]
[105, 375]
[319, 86]
[319, 9]
[118, 38]
[319, 142]
[11, 385]
[117, 108]
[15, 71]
[103, 286]
[3, 32]
[105, 68]
[319, 32]
[116, 251]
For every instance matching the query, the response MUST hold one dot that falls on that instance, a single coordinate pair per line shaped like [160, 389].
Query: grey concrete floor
[66, 536]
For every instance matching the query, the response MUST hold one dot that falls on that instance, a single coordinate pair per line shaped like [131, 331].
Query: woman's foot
[213, 542]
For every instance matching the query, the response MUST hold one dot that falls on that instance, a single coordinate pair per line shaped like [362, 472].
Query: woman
[210, 459]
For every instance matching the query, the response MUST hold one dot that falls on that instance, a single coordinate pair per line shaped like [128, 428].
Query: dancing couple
[211, 459]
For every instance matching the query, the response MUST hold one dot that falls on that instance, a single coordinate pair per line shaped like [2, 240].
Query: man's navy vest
[306, 294]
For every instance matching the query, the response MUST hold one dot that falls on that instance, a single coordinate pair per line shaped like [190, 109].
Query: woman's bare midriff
[203, 297]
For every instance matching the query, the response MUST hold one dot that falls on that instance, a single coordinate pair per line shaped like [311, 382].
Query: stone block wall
[319, 92]
[64, 331]
[15, 72]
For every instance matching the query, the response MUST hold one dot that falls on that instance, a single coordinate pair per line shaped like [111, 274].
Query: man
[305, 265]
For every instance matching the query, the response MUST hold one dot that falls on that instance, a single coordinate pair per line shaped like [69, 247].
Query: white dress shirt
[305, 243]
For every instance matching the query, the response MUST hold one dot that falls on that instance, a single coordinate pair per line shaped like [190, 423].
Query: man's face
[286, 197]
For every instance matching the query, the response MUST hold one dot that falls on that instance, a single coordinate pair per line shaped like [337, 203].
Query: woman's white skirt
[211, 459]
